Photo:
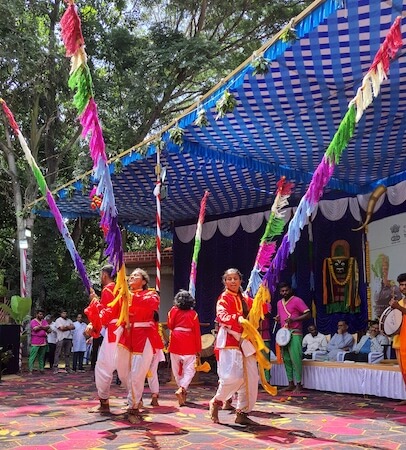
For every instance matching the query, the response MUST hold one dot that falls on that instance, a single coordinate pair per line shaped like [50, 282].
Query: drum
[283, 336]
[207, 345]
[390, 321]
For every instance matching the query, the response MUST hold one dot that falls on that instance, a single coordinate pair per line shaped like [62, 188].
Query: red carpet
[50, 412]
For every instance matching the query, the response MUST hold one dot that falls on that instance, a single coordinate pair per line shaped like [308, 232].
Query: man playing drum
[399, 341]
[292, 311]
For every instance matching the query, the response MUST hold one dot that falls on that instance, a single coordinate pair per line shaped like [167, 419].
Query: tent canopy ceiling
[282, 124]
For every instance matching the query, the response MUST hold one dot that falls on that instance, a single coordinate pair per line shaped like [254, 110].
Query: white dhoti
[106, 364]
[140, 364]
[237, 374]
[153, 381]
[183, 369]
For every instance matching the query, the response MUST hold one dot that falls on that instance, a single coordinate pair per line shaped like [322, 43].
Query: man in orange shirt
[399, 341]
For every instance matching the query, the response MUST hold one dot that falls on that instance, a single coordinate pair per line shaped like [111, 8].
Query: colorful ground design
[48, 411]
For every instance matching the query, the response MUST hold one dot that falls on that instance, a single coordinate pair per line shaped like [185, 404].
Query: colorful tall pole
[157, 193]
[23, 272]
[198, 243]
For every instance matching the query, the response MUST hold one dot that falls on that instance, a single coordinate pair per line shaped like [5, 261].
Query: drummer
[399, 341]
[291, 312]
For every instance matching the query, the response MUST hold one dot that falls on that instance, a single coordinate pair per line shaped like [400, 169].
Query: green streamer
[342, 137]
[273, 228]
[81, 80]
[40, 179]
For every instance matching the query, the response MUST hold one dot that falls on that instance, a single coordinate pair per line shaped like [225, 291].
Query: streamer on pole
[198, 244]
[80, 267]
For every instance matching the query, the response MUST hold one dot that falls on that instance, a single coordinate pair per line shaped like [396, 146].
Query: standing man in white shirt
[313, 341]
[64, 328]
[79, 344]
[51, 340]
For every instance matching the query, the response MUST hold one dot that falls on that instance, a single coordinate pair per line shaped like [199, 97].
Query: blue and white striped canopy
[282, 125]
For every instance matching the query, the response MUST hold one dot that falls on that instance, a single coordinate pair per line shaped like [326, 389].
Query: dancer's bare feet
[228, 405]
[214, 407]
[288, 388]
[181, 396]
[134, 416]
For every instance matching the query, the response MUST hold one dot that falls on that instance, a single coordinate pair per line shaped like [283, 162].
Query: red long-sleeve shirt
[229, 309]
[142, 325]
[185, 338]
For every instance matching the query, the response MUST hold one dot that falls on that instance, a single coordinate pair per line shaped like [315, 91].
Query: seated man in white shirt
[342, 341]
[313, 341]
[373, 341]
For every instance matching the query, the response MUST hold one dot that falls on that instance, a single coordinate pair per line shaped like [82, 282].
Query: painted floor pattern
[49, 411]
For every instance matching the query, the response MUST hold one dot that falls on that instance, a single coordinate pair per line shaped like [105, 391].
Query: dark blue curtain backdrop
[239, 250]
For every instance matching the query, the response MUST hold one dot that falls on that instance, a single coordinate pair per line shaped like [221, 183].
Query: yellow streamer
[251, 333]
[123, 295]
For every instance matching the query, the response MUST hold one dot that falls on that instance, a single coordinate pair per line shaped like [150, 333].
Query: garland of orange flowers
[333, 275]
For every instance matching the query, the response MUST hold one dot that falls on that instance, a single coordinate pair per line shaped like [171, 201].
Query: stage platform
[383, 379]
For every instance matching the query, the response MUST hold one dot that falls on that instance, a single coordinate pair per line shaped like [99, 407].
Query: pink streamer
[319, 180]
[90, 123]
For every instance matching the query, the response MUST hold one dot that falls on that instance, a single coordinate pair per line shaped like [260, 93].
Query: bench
[383, 379]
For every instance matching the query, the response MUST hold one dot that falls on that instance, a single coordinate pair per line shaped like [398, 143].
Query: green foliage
[289, 34]
[201, 120]
[118, 165]
[20, 308]
[226, 104]
[260, 65]
[176, 135]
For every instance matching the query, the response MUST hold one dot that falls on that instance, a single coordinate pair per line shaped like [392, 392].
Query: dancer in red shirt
[107, 317]
[185, 342]
[139, 340]
[237, 371]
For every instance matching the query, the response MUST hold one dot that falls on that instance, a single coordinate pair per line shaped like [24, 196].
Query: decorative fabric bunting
[80, 267]
[81, 81]
[266, 251]
[198, 243]
[374, 77]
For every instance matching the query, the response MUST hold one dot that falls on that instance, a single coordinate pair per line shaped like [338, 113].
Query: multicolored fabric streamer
[81, 81]
[273, 229]
[80, 267]
[369, 89]
[198, 244]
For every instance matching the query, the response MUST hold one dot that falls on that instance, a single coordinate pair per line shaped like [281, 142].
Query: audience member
[78, 344]
[96, 344]
[64, 328]
[39, 329]
[373, 341]
[342, 341]
[51, 341]
[313, 341]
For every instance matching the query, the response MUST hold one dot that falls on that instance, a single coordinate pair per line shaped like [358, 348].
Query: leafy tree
[149, 61]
